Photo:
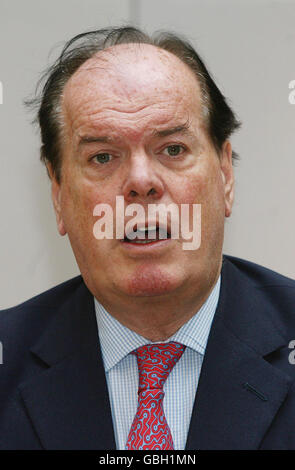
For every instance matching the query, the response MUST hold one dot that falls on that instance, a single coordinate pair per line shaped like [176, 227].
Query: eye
[102, 158]
[173, 150]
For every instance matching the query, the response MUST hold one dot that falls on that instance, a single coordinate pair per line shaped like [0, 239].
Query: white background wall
[248, 45]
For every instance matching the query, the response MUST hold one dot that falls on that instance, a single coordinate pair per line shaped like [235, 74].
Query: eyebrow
[183, 129]
[88, 140]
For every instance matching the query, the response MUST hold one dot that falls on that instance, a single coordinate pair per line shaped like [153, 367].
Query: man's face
[134, 127]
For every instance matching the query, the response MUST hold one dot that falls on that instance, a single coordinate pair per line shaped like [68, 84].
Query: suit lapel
[68, 401]
[239, 392]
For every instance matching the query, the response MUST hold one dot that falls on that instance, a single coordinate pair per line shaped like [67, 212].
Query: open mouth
[146, 235]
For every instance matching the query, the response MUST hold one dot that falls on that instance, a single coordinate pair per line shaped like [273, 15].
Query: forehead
[132, 80]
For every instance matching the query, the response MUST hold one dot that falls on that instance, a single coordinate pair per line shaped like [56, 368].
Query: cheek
[205, 188]
[198, 189]
[77, 203]
[80, 195]
[193, 191]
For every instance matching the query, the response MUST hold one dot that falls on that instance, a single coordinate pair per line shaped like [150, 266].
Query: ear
[227, 176]
[56, 198]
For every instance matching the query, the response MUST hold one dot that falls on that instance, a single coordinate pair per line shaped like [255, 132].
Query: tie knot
[155, 362]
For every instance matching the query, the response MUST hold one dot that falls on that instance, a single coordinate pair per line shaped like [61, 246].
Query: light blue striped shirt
[180, 388]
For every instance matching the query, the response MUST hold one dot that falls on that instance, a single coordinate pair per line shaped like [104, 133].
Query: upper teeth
[150, 227]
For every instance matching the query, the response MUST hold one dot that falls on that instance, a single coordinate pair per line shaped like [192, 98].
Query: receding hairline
[105, 57]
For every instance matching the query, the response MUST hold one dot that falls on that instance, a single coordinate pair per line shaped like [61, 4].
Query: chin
[151, 281]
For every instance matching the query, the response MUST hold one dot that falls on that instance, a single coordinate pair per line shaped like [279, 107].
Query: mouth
[146, 234]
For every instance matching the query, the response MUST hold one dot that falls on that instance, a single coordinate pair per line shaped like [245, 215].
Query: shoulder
[261, 276]
[263, 288]
[31, 316]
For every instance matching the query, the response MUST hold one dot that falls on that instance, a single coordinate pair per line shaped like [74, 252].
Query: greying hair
[220, 120]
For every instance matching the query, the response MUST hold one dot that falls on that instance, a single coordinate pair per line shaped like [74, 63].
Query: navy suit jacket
[53, 391]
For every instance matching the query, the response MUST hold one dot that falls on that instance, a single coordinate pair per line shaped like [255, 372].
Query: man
[125, 115]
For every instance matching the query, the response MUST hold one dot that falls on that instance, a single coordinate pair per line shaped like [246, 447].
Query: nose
[143, 183]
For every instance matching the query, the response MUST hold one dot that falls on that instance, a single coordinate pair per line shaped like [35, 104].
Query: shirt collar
[117, 341]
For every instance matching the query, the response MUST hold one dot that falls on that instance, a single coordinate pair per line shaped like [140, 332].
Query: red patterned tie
[150, 429]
